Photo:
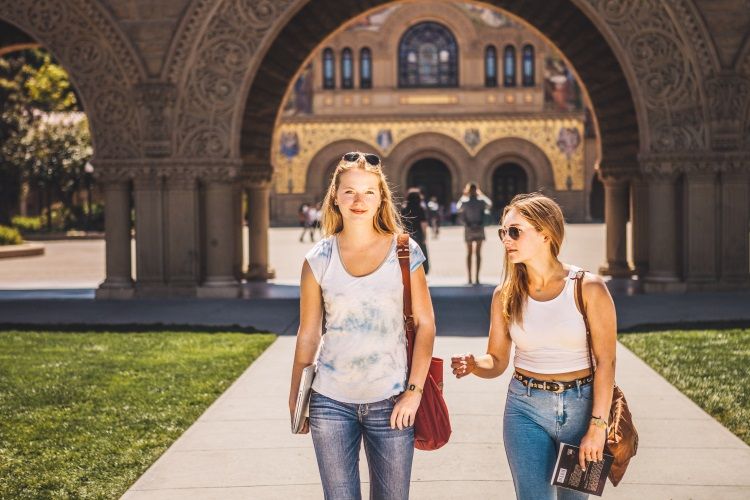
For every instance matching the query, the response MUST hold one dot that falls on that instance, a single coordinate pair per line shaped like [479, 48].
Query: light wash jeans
[337, 430]
[534, 425]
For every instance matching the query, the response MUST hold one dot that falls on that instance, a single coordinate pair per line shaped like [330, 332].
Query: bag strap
[579, 298]
[403, 260]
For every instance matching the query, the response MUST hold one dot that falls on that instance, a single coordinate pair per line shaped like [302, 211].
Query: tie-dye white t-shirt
[363, 353]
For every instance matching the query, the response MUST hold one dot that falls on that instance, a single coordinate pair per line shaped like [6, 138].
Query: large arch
[101, 64]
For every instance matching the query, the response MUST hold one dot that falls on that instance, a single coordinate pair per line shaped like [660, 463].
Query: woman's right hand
[305, 426]
[463, 364]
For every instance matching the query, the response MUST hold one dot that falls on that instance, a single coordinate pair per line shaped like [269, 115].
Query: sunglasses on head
[370, 158]
[513, 231]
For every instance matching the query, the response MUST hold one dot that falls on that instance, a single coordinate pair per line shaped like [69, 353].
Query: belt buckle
[560, 387]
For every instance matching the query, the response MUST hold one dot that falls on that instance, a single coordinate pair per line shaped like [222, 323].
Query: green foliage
[31, 86]
[10, 236]
[83, 415]
[703, 365]
[27, 224]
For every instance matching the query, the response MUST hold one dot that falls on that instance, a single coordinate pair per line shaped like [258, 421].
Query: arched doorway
[508, 180]
[433, 178]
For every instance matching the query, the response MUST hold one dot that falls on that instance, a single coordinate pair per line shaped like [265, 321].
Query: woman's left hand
[592, 446]
[405, 410]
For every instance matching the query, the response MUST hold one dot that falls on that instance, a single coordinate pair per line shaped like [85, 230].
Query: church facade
[445, 94]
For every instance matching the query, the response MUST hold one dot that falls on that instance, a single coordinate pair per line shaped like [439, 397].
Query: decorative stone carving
[208, 106]
[102, 65]
[665, 71]
[728, 97]
[157, 100]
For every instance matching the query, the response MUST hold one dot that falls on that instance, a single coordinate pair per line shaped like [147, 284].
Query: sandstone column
[735, 223]
[220, 220]
[663, 273]
[639, 221]
[702, 235]
[259, 192]
[616, 192]
[149, 233]
[118, 283]
[182, 237]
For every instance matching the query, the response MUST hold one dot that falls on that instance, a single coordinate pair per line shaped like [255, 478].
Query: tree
[30, 82]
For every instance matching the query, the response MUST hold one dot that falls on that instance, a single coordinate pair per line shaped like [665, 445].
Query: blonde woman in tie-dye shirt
[352, 279]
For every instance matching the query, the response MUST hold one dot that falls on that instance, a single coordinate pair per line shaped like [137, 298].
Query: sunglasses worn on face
[370, 158]
[513, 231]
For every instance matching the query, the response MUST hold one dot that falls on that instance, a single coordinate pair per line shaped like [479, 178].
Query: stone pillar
[616, 217]
[181, 249]
[149, 233]
[259, 194]
[663, 259]
[220, 245]
[118, 283]
[735, 225]
[639, 221]
[701, 238]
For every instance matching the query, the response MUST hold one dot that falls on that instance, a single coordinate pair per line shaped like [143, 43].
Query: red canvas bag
[432, 425]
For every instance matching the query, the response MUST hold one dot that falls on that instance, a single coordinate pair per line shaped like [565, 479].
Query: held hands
[405, 410]
[463, 364]
[592, 446]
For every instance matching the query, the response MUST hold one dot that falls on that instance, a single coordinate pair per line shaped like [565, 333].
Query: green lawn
[708, 366]
[83, 415]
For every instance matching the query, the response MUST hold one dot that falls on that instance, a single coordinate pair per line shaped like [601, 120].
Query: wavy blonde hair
[386, 221]
[545, 215]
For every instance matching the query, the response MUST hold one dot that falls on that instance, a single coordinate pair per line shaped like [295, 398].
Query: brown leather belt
[546, 385]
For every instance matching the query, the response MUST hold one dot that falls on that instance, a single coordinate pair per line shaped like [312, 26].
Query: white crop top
[363, 353]
[552, 338]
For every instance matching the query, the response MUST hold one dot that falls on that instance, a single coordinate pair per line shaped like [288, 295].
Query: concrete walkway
[241, 447]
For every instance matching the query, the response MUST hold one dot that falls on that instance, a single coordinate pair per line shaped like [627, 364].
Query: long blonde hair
[545, 215]
[386, 221]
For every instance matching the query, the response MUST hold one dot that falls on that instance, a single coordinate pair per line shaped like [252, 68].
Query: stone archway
[508, 180]
[433, 178]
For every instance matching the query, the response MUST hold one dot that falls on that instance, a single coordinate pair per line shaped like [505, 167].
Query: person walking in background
[302, 219]
[471, 210]
[434, 211]
[352, 278]
[454, 212]
[553, 397]
[310, 215]
[415, 223]
[316, 221]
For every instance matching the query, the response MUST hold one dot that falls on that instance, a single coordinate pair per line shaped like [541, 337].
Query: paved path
[241, 446]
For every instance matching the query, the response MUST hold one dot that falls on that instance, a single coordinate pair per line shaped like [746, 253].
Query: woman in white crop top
[352, 278]
[552, 397]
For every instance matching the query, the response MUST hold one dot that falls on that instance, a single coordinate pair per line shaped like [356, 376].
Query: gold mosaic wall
[296, 143]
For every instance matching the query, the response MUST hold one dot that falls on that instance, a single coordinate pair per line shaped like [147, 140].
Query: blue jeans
[534, 425]
[337, 430]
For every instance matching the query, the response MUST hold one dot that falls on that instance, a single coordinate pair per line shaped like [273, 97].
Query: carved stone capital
[157, 101]
[182, 177]
[728, 96]
[617, 173]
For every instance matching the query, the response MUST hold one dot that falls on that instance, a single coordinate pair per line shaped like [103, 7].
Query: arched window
[490, 66]
[329, 71]
[528, 66]
[365, 68]
[347, 69]
[509, 65]
[428, 57]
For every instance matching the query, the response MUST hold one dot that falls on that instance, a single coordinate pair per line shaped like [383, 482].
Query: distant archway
[433, 178]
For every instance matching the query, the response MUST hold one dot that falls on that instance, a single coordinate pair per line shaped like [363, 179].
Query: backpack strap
[579, 299]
